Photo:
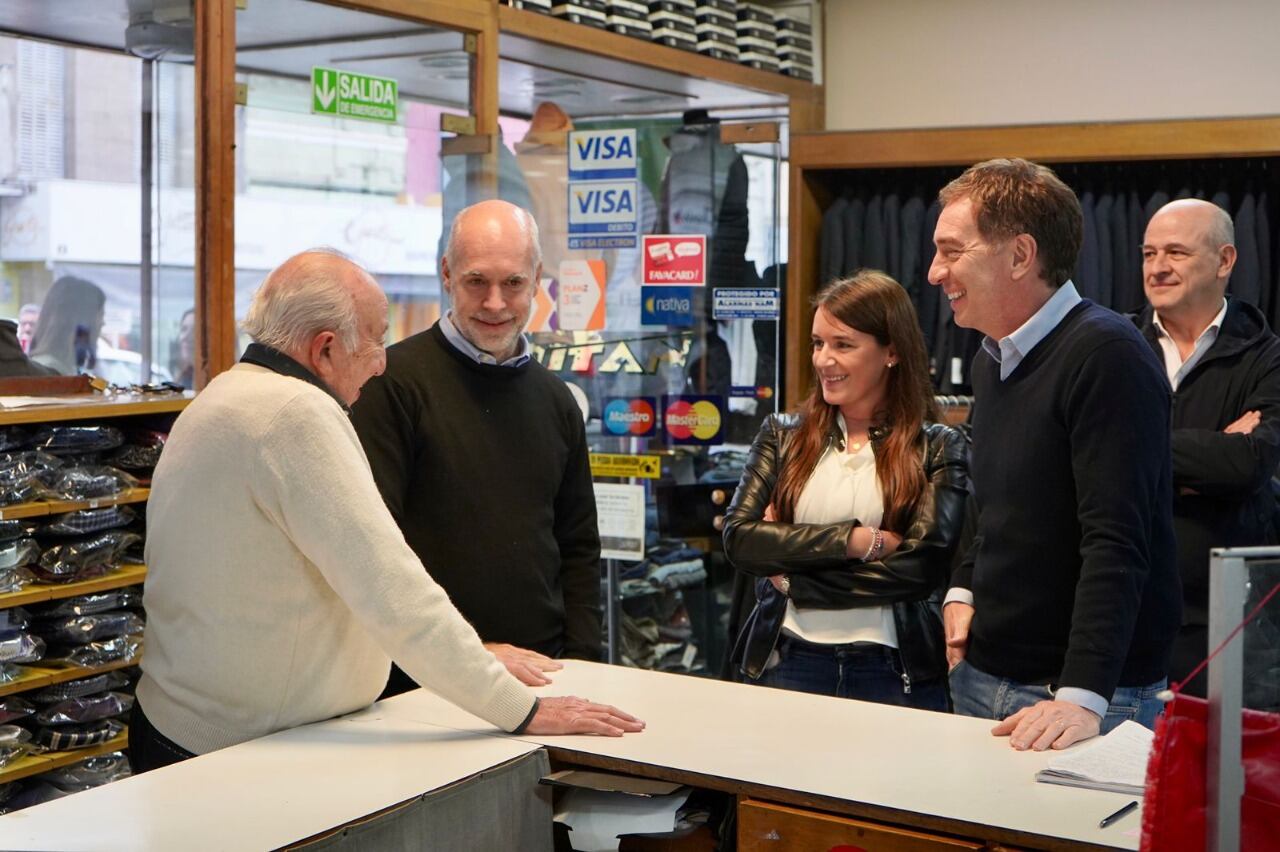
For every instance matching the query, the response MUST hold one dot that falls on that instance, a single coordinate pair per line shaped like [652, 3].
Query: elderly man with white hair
[1223, 364]
[279, 586]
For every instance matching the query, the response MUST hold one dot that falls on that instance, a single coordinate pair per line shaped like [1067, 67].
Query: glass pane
[87, 135]
[1261, 637]
[661, 371]
[373, 189]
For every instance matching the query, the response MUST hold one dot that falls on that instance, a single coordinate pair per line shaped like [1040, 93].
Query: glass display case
[97, 187]
[659, 200]
[339, 144]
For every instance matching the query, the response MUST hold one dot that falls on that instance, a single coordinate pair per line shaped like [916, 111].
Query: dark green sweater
[485, 469]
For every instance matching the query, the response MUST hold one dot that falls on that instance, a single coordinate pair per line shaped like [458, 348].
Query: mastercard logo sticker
[692, 419]
[630, 416]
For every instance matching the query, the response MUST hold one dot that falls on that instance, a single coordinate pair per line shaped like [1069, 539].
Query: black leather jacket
[912, 578]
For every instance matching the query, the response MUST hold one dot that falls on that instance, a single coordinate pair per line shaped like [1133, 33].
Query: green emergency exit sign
[348, 95]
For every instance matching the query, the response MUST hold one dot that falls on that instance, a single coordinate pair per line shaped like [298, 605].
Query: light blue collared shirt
[1008, 353]
[466, 347]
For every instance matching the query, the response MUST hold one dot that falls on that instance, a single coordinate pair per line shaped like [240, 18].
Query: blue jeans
[976, 693]
[865, 671]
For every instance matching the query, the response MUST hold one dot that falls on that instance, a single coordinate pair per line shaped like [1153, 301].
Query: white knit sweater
[279, 587]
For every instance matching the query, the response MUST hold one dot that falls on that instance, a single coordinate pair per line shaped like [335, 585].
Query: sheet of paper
[597, 818]
[1119, 757]
[620, 515]
[32, 401]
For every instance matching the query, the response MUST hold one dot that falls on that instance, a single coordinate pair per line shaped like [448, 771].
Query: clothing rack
[884, 218]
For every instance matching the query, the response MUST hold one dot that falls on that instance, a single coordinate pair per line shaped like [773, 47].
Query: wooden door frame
[215, 73]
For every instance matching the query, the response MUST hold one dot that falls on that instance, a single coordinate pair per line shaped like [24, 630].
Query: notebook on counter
[1116, 762]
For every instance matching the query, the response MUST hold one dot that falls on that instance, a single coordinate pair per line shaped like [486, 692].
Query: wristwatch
[785, 582]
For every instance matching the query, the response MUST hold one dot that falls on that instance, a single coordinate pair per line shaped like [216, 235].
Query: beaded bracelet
[877, 544]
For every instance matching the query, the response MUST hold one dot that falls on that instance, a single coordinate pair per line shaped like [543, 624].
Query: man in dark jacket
[1223, 364]
[13, 361]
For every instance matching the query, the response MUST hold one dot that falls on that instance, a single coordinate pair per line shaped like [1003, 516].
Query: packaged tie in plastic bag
[17, 553]
[79, 688]
[85, 482]
[18, 646]
[64, 439]
[14, 743]
[13, 708]
[88, 521]
[96, 654]
[81, 629]
[94, 603]
[87, 774]
[91, 708]
[77, 560]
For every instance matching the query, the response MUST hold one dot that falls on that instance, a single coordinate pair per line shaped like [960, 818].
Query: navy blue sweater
[1073, 569]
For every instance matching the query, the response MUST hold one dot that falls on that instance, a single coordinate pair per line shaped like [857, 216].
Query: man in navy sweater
[1061, 617]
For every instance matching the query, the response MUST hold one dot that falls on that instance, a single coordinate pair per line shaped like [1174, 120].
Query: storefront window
[339, 145]
[96, 198]
[663, 246]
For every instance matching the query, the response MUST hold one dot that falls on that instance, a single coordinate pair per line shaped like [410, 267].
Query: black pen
[1106, 821]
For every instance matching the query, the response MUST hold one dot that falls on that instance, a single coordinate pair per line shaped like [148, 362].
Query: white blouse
[843, 486]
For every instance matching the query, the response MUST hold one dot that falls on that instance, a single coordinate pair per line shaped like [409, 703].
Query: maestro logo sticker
[630, 416]
[693, 419]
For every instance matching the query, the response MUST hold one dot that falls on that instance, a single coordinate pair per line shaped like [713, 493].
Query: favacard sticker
[674, 260]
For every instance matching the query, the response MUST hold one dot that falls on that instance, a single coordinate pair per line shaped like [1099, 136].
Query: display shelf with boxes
[71, 624]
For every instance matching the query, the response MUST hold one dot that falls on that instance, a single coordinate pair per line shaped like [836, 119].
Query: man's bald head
[490, 272]
[496, 219]
[1211, 222]
[1188, 253]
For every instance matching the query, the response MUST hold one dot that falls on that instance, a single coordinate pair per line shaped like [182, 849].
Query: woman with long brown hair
[849, 510]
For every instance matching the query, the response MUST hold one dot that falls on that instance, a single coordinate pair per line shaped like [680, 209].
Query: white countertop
[265, 793]
[299, 783]
[930, 763]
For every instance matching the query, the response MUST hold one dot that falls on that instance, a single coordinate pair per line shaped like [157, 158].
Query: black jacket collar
[1242, 327]
[278, 362]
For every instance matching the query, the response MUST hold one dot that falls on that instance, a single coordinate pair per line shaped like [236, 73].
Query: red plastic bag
[1174, 807]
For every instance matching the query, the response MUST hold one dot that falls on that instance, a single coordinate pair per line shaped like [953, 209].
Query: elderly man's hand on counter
[572, 715]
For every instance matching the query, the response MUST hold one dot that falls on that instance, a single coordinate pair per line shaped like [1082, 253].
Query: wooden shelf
[126, 575]
[57, 507]
[36, 676]
[587, 39]
[34, 764]
[94, 407]
[1045, 143]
